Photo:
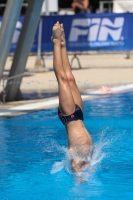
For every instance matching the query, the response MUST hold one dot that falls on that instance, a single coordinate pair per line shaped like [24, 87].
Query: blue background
[48, 21]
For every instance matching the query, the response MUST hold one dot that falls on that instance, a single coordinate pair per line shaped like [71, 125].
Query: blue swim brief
[77, 115]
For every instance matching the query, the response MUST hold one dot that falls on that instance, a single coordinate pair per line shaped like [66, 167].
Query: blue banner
[89, 32]
[84, 32]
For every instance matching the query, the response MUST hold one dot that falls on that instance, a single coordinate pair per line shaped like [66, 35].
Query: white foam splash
[57, 166]
[97, 157]
[64, 164]
[100, 152]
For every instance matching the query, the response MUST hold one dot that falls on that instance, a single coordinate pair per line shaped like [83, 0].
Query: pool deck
[39, 86]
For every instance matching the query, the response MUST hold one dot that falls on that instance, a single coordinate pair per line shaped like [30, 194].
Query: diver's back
[78, 136]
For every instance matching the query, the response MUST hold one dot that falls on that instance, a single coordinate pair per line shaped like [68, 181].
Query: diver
[70, 109]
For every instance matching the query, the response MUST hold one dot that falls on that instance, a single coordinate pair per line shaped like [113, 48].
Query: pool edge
[36, 105]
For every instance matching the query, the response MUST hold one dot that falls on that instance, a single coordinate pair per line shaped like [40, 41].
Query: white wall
[122, 6]
[50, 6]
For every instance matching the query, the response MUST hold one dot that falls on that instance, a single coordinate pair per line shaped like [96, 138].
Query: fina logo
[97, 29]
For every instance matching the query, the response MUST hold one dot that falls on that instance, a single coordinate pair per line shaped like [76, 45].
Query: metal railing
[102, 6]
[4, 5]
[110, 5]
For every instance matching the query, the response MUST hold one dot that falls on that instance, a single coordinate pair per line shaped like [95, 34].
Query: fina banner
[87, 32]
[84, 32]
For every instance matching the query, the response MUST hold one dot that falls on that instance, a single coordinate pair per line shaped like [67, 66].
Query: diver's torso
[77, 134]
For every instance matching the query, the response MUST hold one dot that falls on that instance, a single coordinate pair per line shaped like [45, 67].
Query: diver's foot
[63, 41]
[56, 35]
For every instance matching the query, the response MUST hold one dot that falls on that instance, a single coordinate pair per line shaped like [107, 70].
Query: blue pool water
[34, 162]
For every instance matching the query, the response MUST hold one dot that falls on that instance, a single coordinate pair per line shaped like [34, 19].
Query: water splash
[102, 150]
[98, 155]
[64, 164]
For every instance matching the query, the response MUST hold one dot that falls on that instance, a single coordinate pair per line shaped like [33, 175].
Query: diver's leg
[66, 101]
[67, 69]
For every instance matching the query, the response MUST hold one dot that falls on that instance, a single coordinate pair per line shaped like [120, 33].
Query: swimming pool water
[34, 163]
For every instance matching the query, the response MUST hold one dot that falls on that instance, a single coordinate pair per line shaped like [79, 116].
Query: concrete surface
[97, 70]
